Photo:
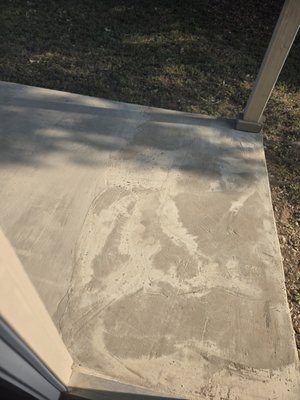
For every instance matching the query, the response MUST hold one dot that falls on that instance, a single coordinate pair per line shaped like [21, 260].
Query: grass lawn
[196, 56]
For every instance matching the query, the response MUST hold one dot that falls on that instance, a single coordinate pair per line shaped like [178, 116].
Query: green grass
[199, 57]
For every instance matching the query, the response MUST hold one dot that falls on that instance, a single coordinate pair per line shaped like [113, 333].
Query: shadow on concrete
[35, 126]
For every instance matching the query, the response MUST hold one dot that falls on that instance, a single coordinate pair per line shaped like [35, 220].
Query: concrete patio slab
[150, 237]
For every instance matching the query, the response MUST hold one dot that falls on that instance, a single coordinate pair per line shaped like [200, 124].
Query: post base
[248, 126]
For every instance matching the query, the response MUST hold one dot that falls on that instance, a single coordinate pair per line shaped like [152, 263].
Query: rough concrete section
[150, 236]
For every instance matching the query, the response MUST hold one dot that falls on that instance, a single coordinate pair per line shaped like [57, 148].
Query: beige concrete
[282, 39]
[22, 309]
[150, 236]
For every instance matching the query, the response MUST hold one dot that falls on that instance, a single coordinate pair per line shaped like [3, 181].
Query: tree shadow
[37, 127]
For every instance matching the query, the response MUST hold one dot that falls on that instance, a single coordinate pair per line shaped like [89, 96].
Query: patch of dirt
[282, 148]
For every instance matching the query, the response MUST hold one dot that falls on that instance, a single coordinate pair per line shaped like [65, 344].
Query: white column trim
[282, 39]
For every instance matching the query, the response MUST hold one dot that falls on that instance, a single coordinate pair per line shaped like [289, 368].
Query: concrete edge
[88, 383]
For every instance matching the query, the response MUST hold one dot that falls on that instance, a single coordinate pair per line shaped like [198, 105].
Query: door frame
[33, 355]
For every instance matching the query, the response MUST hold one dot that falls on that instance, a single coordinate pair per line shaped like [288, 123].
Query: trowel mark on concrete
[139, 326]
[100, 227]
[130, 335]
[267, 313]
[96, 234]
[107, 198]
[215, 220]
[110, 258]
[154, 242]
[147, 244]
[172, 252]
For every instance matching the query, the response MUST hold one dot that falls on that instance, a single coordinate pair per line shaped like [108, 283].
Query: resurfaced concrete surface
[150, 237]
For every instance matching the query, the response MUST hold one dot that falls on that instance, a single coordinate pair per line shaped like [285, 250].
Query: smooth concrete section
[150, 236]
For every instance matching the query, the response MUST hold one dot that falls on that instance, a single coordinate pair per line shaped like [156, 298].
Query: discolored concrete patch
[150, 237]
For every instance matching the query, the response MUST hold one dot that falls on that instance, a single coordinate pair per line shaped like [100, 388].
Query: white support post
[282, 39]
